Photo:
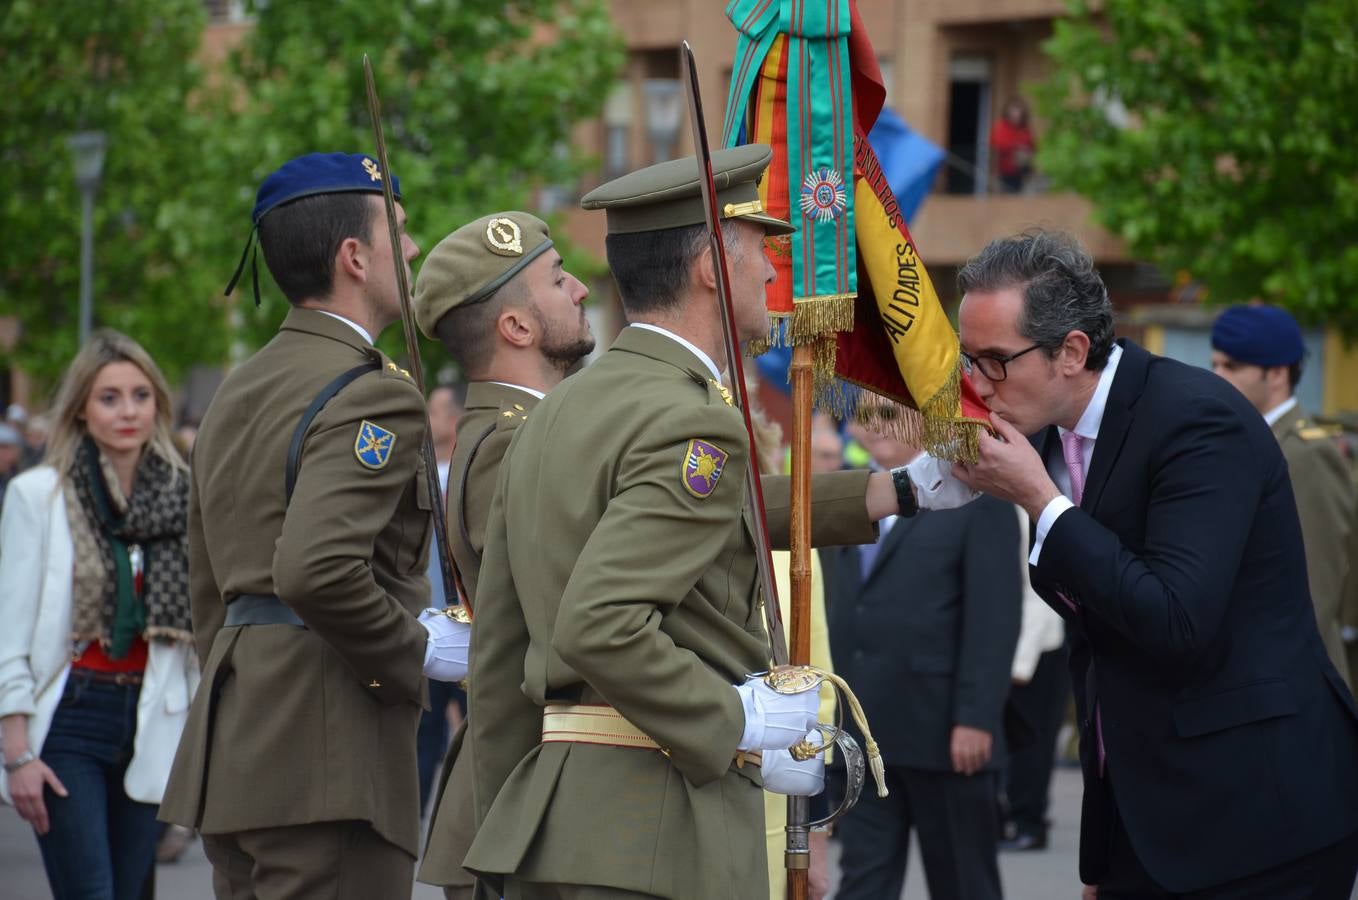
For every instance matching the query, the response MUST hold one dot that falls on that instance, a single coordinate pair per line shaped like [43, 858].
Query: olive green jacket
[613, 574]
[1325, 503]
[295, 725]
[491, 414]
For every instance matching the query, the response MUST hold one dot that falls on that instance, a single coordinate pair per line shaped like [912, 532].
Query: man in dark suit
[1217, 738]
[923, 624]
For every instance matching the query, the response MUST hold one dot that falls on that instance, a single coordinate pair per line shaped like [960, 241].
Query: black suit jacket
[1231, 740]
[928, 640]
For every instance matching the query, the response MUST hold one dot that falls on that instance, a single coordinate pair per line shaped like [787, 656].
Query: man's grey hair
[1062, 291]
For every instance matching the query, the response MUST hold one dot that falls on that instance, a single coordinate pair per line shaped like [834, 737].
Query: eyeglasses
[994, 368]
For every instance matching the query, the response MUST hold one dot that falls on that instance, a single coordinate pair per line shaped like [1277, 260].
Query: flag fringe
[934, 427]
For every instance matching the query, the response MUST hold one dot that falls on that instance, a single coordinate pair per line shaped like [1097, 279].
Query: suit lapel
[1117, 419]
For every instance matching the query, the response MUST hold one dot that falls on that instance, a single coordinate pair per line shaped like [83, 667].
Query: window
[968, 125]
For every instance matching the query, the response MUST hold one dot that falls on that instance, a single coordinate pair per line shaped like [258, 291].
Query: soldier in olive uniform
[309, 523]
[613, 728]
[495, 293]
[1259, 349]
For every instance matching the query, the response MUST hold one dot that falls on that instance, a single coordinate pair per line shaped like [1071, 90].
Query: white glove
[936, 486]
[445, 654]
[775, 721]
[785, 775]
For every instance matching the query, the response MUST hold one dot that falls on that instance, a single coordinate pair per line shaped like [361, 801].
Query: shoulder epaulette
[1317, 432]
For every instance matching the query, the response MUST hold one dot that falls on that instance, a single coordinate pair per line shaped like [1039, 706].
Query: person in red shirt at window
[1012, 144]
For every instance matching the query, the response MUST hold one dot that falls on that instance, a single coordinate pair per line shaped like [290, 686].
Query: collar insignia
[373, 445]
[723, 390]
[703, 465]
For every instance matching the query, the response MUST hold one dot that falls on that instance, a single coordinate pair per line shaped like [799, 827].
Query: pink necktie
[1072, 448]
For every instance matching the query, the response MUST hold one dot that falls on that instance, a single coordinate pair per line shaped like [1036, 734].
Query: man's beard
[563, 351]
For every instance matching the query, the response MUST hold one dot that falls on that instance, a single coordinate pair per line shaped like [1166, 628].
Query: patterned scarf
[107, 531]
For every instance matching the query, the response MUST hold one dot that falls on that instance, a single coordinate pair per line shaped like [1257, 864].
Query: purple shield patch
[703, 464]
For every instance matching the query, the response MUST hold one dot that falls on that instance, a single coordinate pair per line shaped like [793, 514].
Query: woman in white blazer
[96, 661]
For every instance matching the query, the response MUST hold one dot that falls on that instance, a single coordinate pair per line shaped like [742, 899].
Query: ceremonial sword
[454, 592]
[754, 488]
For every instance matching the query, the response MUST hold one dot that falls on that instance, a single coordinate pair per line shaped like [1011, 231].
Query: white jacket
[1041, 629]
[36, 569]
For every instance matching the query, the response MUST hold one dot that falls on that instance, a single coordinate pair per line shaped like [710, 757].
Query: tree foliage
[1235, 161]
[479, 102]
[127, 69]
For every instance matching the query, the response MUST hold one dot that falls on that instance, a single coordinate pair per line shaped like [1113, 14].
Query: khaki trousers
[339, 860]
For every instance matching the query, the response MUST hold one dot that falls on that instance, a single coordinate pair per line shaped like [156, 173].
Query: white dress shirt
[519, 387]
[350, 322]
[1282, 409]
[1087, 428]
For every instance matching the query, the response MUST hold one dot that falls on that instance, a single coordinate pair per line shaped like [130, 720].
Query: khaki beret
[667, 195]
[475, 261]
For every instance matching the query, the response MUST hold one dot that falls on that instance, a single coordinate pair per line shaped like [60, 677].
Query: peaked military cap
[320, 173]
[1259, 335]
[667, 195]
[475, 261]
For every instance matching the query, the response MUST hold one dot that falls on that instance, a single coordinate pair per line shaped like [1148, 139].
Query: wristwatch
[20, 761]
[905, 491]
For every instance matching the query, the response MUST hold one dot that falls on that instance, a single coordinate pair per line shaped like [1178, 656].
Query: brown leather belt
[118, 678]
[588, 723]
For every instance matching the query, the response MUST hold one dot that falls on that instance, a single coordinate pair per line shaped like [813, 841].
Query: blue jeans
[102, 844]
[431, 741]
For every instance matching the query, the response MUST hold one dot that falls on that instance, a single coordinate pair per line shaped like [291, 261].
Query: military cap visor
[668, 194]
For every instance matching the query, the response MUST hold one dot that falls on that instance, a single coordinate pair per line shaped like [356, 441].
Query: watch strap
[905, 491]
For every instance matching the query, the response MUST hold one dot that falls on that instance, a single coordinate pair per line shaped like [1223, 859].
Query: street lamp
[87, 149]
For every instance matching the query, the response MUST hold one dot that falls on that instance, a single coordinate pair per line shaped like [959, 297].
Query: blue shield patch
[373, 445]
[703, 465]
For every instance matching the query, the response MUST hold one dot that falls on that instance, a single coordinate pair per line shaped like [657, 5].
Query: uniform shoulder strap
[299, 433]
[462, 492]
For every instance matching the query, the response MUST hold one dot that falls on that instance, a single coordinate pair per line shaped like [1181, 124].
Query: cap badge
[703, 465]
[504, 237]
[374, 174]
[373, 445]
[823, 196]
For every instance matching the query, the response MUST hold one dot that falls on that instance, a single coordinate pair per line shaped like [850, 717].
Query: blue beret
[1259, 336]
[320, 173]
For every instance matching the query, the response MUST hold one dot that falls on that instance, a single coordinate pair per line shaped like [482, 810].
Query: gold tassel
[795, 679]
[820, 316]
[936, 428]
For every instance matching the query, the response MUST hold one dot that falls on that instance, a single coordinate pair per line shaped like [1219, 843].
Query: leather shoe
[1024, 842]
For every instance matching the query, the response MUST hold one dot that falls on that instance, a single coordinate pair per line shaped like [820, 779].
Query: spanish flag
[851, 281]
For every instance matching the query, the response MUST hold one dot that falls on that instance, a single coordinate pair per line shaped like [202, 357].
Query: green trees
[479, 101]
[126, 69]
[478, 106]
[1235, 159]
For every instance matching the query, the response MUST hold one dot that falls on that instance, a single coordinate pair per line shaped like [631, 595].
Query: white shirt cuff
[1050, 513]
